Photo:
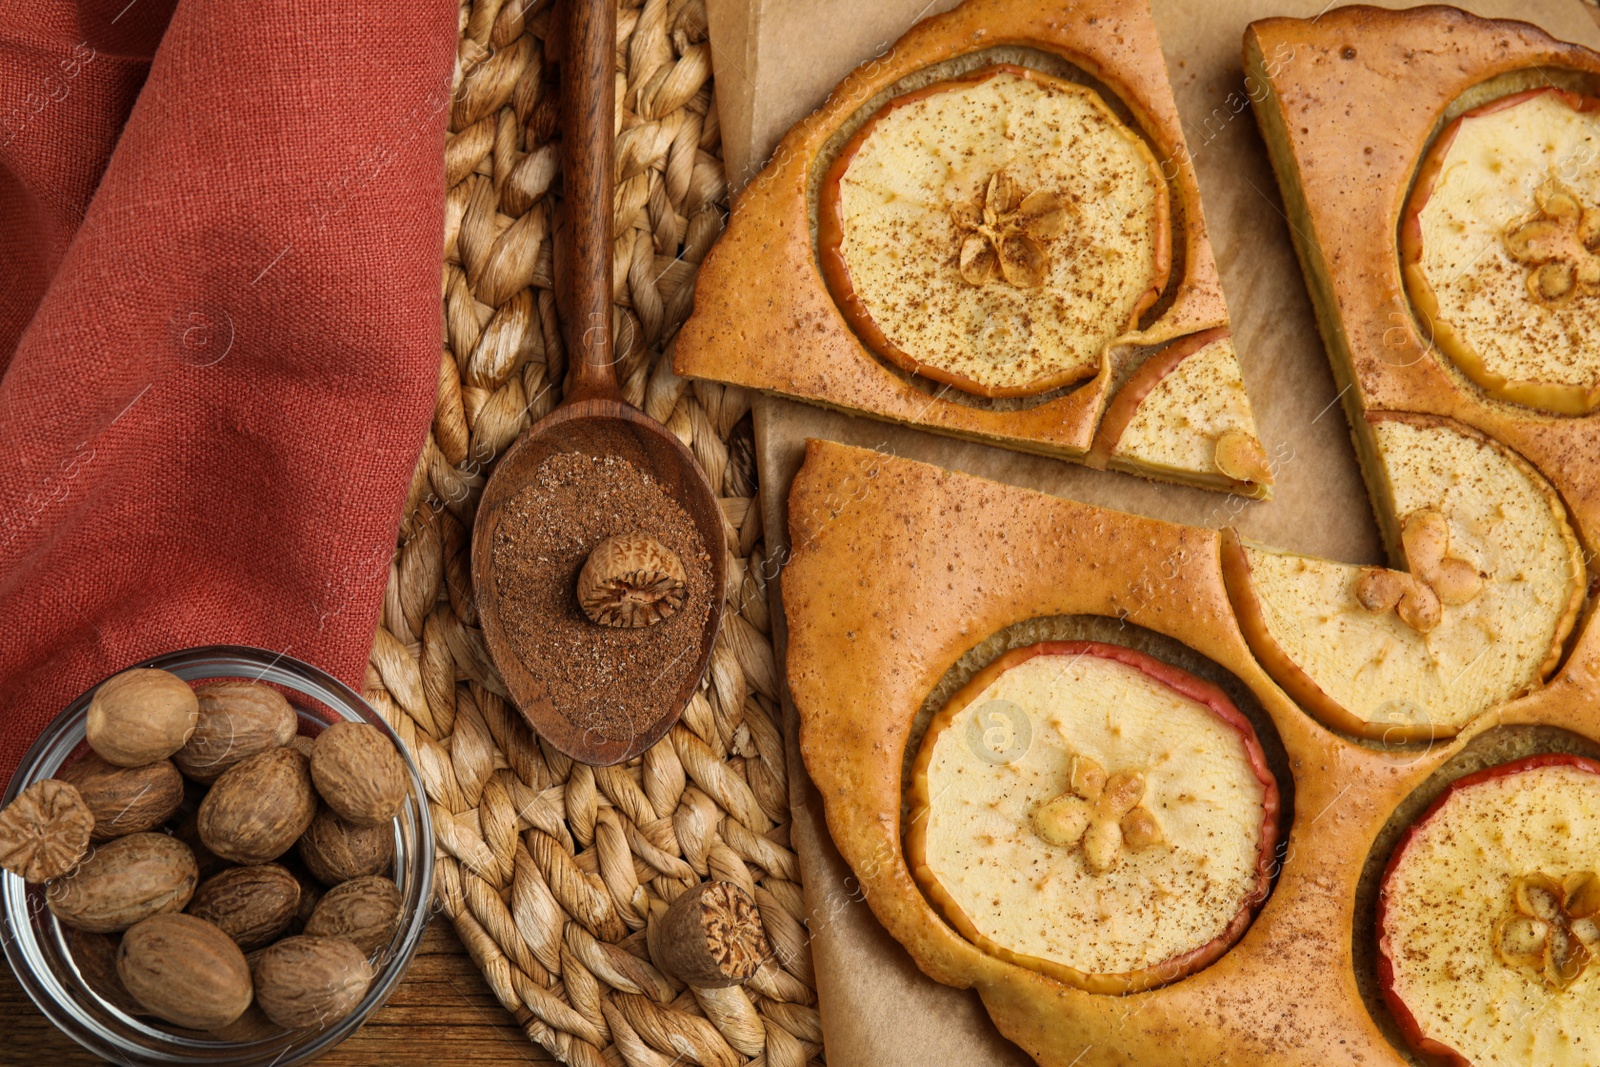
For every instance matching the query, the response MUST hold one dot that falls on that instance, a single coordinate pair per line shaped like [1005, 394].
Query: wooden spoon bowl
[593, 420]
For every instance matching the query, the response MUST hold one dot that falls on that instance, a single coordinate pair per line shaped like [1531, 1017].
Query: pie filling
[1077, 813]
[1503, 248]
[1198, 418]
[996, 231]
[1487, 921]
[1491, 591]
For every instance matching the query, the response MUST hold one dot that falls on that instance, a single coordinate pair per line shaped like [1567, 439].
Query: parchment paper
[775, 60]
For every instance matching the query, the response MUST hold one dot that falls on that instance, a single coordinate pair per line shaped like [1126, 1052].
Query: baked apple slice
[995, 231]
[1489, 919]
[1493, 584]
[1094, 814]
[1501, 248]
[1184, 416]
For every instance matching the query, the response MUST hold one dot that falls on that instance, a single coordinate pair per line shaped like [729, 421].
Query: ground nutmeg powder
[614, 681]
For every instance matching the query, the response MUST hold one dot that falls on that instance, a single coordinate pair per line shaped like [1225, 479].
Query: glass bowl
[36, 945]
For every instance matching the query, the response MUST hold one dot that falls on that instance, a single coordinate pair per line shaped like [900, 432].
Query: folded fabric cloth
[220, 231]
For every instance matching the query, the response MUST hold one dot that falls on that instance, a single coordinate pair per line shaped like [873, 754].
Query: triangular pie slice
[1185, 416]
[1493, 586]
[995, 232]
[983, 232]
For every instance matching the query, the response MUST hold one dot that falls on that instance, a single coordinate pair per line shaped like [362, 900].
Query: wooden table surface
[443, 1013]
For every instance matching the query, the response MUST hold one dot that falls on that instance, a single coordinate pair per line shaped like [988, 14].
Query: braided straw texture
[551, 870]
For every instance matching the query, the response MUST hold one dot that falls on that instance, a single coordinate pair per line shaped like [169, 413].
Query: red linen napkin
[219, 327]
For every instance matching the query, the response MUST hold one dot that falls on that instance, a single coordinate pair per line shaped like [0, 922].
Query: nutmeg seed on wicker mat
[711, 936]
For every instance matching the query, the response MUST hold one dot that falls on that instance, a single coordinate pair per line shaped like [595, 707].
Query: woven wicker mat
[550, 870]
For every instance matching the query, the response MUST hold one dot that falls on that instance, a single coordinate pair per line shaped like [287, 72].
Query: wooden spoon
[593, 419]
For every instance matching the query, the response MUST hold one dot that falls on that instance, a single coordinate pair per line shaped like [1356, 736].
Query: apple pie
[963, 231]
[1089, 812]
[1489, 918]
[991, 231]
[1501, 245]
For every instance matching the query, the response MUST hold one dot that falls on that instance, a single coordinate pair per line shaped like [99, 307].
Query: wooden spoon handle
[588, 135]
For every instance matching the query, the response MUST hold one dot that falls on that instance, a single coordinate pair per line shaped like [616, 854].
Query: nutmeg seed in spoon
[631, 580]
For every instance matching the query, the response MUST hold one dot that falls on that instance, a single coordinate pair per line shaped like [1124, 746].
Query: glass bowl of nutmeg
[217, 856]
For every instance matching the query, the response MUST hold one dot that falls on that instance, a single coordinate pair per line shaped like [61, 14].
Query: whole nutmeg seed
[358, 773]
[140, 716]
[123, 882]
[126, 800]
[252, 905]
[185, 970]
[238, 719]
[631, 580]
[711, 936]
[362, 911]
[303, 982]
[335, 851]
[44, 831]
[259, 807]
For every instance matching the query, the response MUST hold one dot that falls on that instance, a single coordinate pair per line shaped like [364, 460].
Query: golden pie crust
[765, 317]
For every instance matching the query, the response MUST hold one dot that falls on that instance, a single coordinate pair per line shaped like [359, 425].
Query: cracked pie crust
[1087, 811]
[1489, 919]
[986, 232]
